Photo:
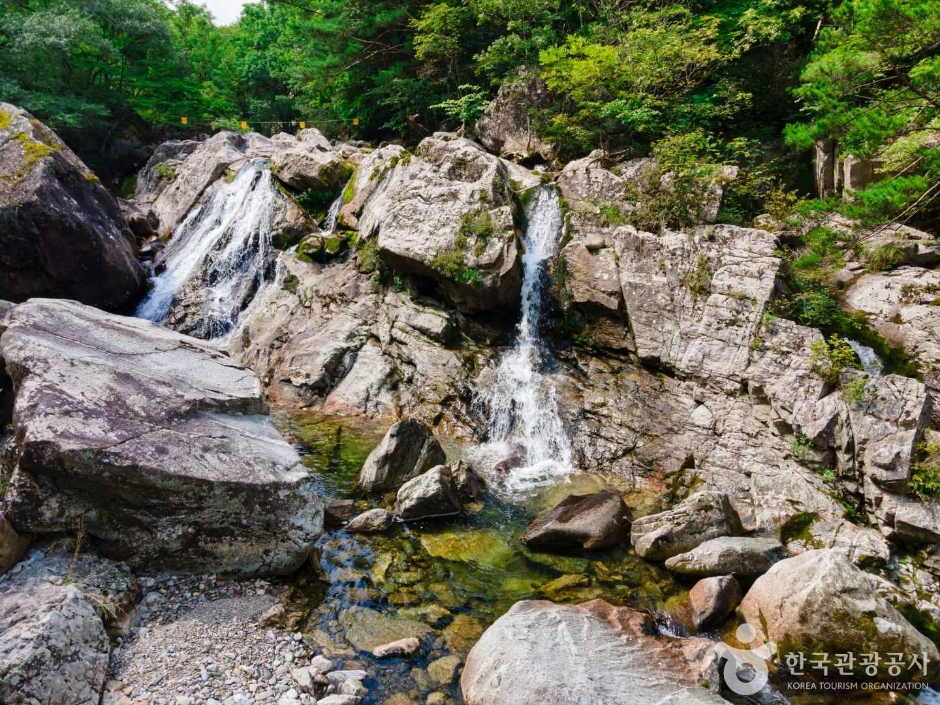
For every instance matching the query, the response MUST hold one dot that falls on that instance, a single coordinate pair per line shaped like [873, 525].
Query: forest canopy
[752, 83]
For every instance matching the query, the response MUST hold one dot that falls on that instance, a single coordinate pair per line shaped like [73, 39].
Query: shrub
[925, 475]
[829, 358]
[882, 257]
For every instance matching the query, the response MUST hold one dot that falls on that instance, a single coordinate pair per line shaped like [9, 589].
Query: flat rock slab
[701, 517]
[540, 653]
[740, 556]
[158, 443]
[368, 629]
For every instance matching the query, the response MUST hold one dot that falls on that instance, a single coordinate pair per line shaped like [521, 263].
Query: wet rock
[553, 590]
[740, 557]
[485, 547]
[435, 615]
[517, 458]
[63, 234]
[590, 522]
[368, 629]
[12, 545]
[445, 214]
[820, 602]
[372, 521]
[461, 634]
[403, 648]
[137, 220]
[308, 161]
[102, 404]
[550, 653]
[407, 450]
[506, 126]
[441, 491]
[337, 512]
[701, 517]
[444, 671]
[53, 645]
[713, 600]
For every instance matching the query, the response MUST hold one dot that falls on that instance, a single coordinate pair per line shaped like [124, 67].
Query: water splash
[332, 215]
[218, 257]
[523, 412]
[871, 363]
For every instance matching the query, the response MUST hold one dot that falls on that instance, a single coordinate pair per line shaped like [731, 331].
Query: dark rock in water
[517, 458]
[61, 233]
[151, 249]
[158, 444]
[713, 600]
[703, 516]
[370, 522]
[590, 522]
[408, 449]
[368, 629]
[337, 512]
[469, 486]
[593, 653]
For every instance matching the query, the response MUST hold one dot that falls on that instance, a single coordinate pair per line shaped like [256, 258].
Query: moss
[922, 621]
[290, 283]
[33, 152]
[166, 172]
[367, 251]
[797, 528]
[699, 280]
[92, 177]
[350, 190]
[612, 215]
[5, 120]
[230, 175]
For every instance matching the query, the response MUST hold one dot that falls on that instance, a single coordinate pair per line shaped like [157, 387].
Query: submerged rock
[368, 629]
[158, 445]
[61, 233]
[590, 522]
[703, 516]
[741, 557]
[403, 648]
[539, 652]
[713, 600]
[820, 602]
[371, 521]
[408, 450]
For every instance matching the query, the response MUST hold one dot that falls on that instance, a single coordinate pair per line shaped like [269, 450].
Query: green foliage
[466, 108]
[452, 265]
[611, 215]
[829, 357]
[855, 391]
[166, 172]
[802, 449]
[925, 475]
[882, 257]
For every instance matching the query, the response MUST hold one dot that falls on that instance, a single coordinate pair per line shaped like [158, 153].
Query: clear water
[218, 257]
[871, 363]
[521, 404]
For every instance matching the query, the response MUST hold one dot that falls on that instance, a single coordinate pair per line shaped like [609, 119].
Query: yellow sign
[303, 126]
[184, 120]
[244, 124]
[355, 121]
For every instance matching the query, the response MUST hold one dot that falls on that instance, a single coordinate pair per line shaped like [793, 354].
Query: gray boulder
[741, 557]
[540, 652]
[713, 600]
[431, 494]
[369, 174]
[407, 450]
[161, 168]
[308, 161]
[157, 443]
[590, 522]
[703, 516]
[506, 126]
[61, 233]
[446, 214]
[370, 522]
[820, 602]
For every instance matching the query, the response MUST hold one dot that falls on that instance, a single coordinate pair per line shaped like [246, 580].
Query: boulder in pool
[591, 522]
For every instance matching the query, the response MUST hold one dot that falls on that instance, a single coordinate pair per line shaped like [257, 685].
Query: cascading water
[332, 215]
[871, 363]
[218, 257]
[523, 413]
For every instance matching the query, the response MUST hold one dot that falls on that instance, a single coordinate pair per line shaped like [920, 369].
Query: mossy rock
[479, 547]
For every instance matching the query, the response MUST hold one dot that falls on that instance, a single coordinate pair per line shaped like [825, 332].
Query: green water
[457, 575]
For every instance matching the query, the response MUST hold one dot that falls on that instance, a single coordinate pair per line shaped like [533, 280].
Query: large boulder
[157, 444]
[703, 516]
[369, 174]
[431, 494]
[591, 522]
[407, 450]
[507, 125]
[712, 600]
[161, 168]
[61, 233]
[447, 214]
[540, 653]
[308, 161]
[742, 557]
[53, 646]
[819, 602]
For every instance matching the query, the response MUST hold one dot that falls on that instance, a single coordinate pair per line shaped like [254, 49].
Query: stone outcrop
[589, 522]
[446, 214]
[741, 557]
[540, 652]
[407, 450]
[161, 168]
[820, 602]
[308, 161]
[156, 443]
[507, 125]
[701, 517]
[61, 233]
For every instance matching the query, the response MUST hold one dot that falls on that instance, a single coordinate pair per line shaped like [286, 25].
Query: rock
[461, 634]
[53, 646]
[320, 665]
[367, 629]
[156, 443]
[137, 221]
[303, 679]
[339, 700]
[61, 233]
[372, 521]
[408, 450]
[444, 671]
[506, 128]
[364, 181]
[703, 516]
[337, 512]
[741, 557]
[591, 522]
[484, 547]
[446, 214]
[904, 244]
[587, 183]
[308, 161]
[161, 168]
[820, 602]
[554, 590]
[432, 494]
[12, 545]
[713, 600]
[539, 652]
[403, 648]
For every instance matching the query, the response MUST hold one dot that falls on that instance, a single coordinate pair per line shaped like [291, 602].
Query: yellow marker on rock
[355, 121]
[303, 126]
[184, 120]
[244, 124]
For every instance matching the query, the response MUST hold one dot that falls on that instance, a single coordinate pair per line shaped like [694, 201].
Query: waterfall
[332, 215]
[871, 363]
[218, 257]
[523, 413]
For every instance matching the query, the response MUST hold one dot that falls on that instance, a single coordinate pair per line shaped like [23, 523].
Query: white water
[222, 251]
[871, 363]
[329, 223]
[521, 403]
